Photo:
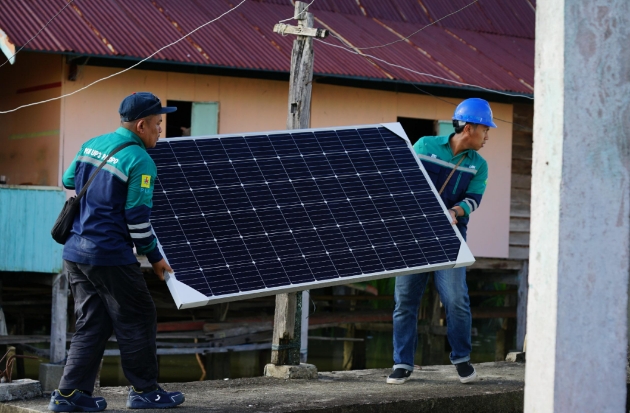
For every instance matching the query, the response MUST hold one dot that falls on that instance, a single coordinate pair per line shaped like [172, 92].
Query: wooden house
[232, 76]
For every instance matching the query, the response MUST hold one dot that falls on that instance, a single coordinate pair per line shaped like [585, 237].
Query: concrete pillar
[59, 319]
[580, 228]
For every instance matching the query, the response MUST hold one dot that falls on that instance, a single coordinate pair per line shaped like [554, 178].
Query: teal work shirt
[116, 208]
[467, 185]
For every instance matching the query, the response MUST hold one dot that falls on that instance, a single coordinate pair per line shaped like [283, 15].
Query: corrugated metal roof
[510, 18]
[489, 44]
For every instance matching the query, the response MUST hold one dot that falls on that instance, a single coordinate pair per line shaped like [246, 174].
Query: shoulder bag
[61, 230]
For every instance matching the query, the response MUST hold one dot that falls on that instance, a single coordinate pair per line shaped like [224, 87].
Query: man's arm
[474, 192]
[138, 214]
[68, 175]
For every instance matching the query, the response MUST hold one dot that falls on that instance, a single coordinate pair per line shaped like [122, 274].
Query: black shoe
[75, 402]
[399, 376]
[466, 372]
[156, 399]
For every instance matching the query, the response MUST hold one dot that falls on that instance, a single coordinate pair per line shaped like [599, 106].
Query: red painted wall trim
[39, 87]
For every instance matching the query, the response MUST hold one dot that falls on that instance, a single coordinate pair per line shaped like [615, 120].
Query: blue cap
[142, 104]
[474, 110]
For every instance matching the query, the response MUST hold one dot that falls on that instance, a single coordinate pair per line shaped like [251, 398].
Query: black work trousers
[110, 299]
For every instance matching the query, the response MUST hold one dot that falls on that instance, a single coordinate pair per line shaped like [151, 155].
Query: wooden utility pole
[285, 349]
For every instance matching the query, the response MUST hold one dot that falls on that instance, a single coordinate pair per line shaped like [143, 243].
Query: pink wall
[248, 105]
[29, 138]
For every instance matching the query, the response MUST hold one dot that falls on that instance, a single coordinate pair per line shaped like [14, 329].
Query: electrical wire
[417, 31]
[527, 128]
[37, 34]
[127, 69]
[302, 12]
[406, 38]
[421, 73]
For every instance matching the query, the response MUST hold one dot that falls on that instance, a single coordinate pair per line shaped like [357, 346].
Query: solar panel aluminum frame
[187, 297]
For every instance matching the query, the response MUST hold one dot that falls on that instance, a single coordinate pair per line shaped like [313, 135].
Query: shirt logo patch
[146, 181]
[472, 167]
[433, 155]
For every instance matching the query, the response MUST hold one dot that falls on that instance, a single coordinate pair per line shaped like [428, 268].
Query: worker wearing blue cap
[110, 293]
[460, 175]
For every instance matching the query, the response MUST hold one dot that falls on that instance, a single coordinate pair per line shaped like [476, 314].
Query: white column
[580, 228]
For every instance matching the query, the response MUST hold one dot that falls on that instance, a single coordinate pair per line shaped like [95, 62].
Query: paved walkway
[433, 388]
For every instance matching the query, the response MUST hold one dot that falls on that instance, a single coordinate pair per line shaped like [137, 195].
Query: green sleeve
[420, 147]
[478, 184]
[475, 190]
[68, 175]
[140, 184]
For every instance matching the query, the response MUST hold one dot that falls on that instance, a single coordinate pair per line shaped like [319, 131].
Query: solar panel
[240, 216]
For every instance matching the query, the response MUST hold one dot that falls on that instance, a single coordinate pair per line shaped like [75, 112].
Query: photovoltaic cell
[243, 216]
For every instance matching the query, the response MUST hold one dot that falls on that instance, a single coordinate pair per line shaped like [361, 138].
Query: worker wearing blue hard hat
[460, 175]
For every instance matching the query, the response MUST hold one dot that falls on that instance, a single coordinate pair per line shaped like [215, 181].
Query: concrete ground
[433, 388]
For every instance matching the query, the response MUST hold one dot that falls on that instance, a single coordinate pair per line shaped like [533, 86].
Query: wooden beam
[496, 264]
[519, 224]
[521, 308]
[521, 196]
[284, 330]
[519, 239]
[321, 338]
[519, 253]
[181, 326]
[285, 29]
[493, 277]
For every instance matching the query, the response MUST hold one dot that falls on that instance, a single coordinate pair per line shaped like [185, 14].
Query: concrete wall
[580, 210]
[29, 138]
[248, 105]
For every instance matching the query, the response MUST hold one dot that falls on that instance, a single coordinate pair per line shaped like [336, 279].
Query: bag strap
[112, 153]
[451, 174]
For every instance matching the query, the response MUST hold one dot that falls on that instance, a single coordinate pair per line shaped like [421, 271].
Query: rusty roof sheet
[510, 18]
[489, 44]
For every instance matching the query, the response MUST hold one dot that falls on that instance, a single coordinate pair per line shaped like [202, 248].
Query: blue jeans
[451, 285]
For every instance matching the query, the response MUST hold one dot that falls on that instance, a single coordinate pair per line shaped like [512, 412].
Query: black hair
[459, 125]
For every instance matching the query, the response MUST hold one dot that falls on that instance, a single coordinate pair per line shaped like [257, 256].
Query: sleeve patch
[146, 181]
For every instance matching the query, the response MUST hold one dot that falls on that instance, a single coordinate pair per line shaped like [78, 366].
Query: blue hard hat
[474, 110]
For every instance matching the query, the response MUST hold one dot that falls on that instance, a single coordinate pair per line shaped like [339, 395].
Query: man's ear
[140, 125]
[470, 128]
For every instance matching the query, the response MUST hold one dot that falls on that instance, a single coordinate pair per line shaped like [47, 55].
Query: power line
[417, 31]
[303, 11]
[423, 74]
[455, 104]
[37, 34]
[129, 68]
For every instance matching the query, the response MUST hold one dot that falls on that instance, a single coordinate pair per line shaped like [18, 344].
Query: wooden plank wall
[521, 180]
